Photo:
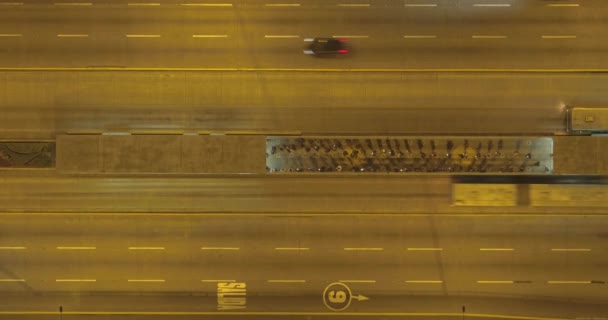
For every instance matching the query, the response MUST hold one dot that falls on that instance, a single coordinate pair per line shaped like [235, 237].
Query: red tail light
[342, 40]
[342, 51]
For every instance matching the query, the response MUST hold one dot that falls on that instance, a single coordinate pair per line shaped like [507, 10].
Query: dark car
[325, 46]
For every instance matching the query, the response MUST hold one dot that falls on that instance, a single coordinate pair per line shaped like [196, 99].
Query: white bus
[586, 120]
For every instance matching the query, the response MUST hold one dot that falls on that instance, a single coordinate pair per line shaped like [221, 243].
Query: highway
[493, 264]
[38, 105]
[384, 34]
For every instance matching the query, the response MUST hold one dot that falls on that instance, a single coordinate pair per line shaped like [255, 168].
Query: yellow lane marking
[281, 314]
[559, 37]
[146, 248]
[363, 249]
[75, 280]
[420, 4]
[209, 36]
[143, 4]
[269, 36]
[217, 280]
[282, 4]
[64, 35]
[357, 281]
[207, 4]
[317, 215]
[286, 281]
[496, 249]
[13, 248]
[12, 280]
[568, 282]
[424, 281]
[491, 5]
[76, 248]
[146, 280]
[419, 37]
[562, 5]
[424, 249]
[351, 36]
[488, 37]
[11, 35]
[142, 35]
[495, 281]
[571, 249]
[353, 5]
[220, 248]
[82, 4]
[292, 248]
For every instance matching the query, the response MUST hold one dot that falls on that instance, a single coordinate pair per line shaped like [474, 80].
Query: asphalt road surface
[384, 34]
[546, 266]
[37, 105]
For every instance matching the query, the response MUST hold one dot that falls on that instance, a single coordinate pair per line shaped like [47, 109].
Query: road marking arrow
[360, 297]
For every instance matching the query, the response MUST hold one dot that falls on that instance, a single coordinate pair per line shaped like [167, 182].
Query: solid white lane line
[419, 36]
[146, 280]
[65, 35]
[491, 5]
[282, 5]
[562, 5]
[80, 4]
[426, 5]
[353, 5]
[350, 36]
[217, 280]
[363, 249]
[76, 248]
[559, 37]
[220, 248]
[209, 36]
[424, 281]
[570, 249]
[292, 248]
[281, 36]
[424, 249]
[146, 248]
[495, 281]
[13, 248]
[488, 37]
[286, 281]
[357, 281]
[496, 249]
[75, 280]
[142, 35]
[207, 4]
[12, 280]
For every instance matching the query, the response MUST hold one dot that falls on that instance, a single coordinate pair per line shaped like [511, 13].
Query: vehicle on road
[586, 120]
[325, 46]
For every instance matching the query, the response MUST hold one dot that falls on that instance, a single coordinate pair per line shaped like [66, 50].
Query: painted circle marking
[337, 296]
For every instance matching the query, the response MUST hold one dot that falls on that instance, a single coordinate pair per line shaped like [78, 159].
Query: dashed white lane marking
[277, 36]
[353, 5]
[496, 249]
[286, 281]
[12, 280]
[569, 282]
[571, 249]
[75, 280]
[76, 248]
[220, 248]
[559, 37]
[495, 281]
[209, 36]
[146, 248]
[282, 5]
[424, 281]
[424, 5]
[217, 280]
[562, 5]
[424, 249]
[68, 35]
[143, 4]
[364, 249]
[491, 5]
[79, 4]
[142, 35]
[146, 280]
[13, 248]
[357, 281]
[488, 37]
[292, 248]
[350, 36]
[207, 4]
[11, 3]
[419, 36]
